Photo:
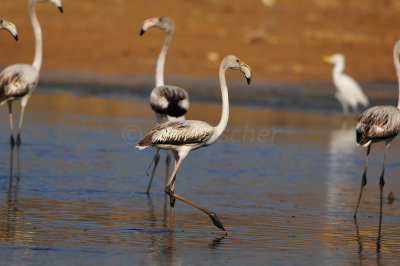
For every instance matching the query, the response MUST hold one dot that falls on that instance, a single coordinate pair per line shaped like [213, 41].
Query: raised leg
[20, 125]
[170, 190]
[156, 159]
[363, 180]
[382, 183]
[12, 141]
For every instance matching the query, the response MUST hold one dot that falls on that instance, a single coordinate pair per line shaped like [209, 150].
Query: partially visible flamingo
[379, 123]
[4, 24]
[167, 101]
[184, 136]
[19, 81]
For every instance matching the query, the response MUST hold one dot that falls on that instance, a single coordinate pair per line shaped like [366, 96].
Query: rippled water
[283, 183]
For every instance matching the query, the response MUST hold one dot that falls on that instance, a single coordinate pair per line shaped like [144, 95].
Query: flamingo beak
[147, 24]
[246, 70]
[11, 28]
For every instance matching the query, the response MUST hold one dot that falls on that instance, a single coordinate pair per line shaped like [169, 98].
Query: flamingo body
[17, 81]
[379, 123]
[184, 136]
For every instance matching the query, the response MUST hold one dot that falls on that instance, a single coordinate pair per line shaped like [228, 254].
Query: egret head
[56, 2]
[4, 24]
[164, 23]
[233, 62]
[333, 59]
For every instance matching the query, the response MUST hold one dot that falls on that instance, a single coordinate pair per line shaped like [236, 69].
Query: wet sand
[284, 184]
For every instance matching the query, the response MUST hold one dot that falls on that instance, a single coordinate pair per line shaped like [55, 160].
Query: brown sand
[102, 36]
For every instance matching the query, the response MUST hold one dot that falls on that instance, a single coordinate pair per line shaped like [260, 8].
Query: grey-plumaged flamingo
[379, 123]
[4, 24]
[349, 93]
[19, 81]
[184, 136]
[167, 101]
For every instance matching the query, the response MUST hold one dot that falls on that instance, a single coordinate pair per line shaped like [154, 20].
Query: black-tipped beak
[61, 9]
[16, 37]
[142, 32]
[248, 80]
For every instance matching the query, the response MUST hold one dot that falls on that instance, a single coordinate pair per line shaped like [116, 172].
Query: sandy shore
[281, 42]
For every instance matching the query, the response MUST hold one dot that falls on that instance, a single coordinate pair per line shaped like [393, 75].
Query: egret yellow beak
[327, 59]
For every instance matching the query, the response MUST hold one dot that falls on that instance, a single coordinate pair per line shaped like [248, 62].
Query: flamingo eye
[237, 60]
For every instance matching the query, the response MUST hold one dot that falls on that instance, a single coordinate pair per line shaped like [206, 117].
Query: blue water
[285, 190]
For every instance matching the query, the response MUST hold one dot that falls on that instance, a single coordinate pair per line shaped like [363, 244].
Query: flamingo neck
[396, 60]
[161, 59]
[37, 61]
[225, 107]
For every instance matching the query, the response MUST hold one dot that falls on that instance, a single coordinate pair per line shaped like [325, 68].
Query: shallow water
[283, 183]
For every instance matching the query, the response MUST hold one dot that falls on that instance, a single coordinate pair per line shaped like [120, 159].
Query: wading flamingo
[19, 81]
[167, 101]
[184, 136]
[379, 123]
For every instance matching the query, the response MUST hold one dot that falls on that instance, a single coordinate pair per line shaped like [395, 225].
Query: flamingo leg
[170, 190]
[20, 125]
[12, 141]
[156, 159]
[382, 183]
[363, 180]
[167, 163]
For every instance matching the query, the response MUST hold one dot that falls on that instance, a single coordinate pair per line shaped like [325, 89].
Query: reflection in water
[217, 242]
[360, 242]
[11, 213]
[342, 147]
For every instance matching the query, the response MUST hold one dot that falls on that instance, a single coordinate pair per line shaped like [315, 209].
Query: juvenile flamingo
[19, 81]
[379, 123]
[167, 101]
[184, 136]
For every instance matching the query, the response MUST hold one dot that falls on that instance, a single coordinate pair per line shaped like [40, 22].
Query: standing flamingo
[379, 123]
[167, 101]
[19, 81]
[4, 24]
[349, 93]
[184, 136]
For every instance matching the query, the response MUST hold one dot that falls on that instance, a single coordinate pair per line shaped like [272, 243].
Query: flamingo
[19, 81]
[379, 123]
[349, 93]
[4, 24]
[184, 136]
[167, 101]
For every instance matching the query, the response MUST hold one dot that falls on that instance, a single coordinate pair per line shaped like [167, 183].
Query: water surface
[284, 183]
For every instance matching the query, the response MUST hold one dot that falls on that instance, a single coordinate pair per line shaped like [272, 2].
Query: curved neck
[225, 107]
[161, 59]
[37, 61]
[338, 68]
[396, 60]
